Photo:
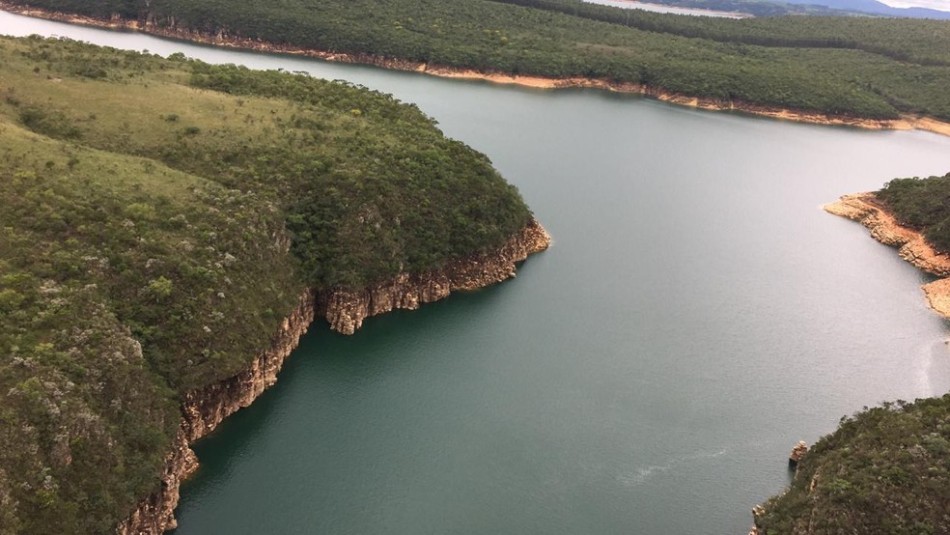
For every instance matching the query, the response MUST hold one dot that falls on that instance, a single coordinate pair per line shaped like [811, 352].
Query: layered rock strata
[203, 409]
[911, 245]
[346, 310]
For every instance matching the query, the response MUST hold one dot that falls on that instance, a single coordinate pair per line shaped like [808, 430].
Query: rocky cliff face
[911, 246]
[202, 410]
[155, 513]
[346, 310]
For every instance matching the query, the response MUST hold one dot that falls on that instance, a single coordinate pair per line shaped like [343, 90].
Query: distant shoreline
[905, 122]
[676, 10]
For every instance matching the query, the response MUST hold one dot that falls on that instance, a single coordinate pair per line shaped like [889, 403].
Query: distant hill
[874, 7]
[822, 8]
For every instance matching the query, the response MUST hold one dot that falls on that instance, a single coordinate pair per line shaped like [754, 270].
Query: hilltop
[167, 226]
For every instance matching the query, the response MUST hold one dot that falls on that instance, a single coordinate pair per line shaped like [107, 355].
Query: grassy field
[160, 219]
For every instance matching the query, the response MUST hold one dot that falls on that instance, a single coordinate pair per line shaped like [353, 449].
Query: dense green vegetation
[906, 40]
[150, 211]
[923, 205]
[885, 470]
[759, 8]
[865, 67]
[145, 233]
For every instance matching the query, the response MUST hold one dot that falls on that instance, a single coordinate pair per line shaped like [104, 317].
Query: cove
[697, 315]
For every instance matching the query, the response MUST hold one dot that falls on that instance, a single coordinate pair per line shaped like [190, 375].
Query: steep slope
[166, 232]
[885, 470]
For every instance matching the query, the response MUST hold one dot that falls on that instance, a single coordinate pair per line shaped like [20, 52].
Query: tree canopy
[161, 217]
[849, 66]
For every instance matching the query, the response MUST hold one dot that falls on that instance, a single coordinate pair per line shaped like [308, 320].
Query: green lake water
[697, 314]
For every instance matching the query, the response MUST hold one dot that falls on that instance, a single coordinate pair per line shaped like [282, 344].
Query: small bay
[697, 315]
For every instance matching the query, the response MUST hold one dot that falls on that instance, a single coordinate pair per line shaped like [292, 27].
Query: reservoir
[662, 8]
[697, 314]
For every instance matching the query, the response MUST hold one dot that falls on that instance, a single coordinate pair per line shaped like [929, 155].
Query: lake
[697, 314]
[663, 8]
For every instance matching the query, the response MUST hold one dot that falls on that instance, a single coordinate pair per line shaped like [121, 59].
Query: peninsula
[171, 228]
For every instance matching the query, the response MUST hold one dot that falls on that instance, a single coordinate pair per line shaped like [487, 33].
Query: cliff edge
[204, 409]
[883, 470]
[345, 310]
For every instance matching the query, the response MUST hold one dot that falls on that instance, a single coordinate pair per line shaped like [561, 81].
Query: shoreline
[905, 122]
[910, 244]
[202, 410]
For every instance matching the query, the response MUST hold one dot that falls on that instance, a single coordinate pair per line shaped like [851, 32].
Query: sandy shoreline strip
[906, 122]
[911, 246]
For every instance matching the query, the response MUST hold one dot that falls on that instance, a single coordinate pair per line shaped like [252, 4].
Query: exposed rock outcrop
[155, 513]
[203, 409]
[797, 453]
[757, 512]
[912, 247]
[346, 310]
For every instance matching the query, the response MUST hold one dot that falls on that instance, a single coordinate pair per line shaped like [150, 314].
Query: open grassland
[160, 219]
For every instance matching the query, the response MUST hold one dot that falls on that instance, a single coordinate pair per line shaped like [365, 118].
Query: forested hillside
[921, 204]
[885, 470]
[161, 216]
[160, 219]
[846, 66]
